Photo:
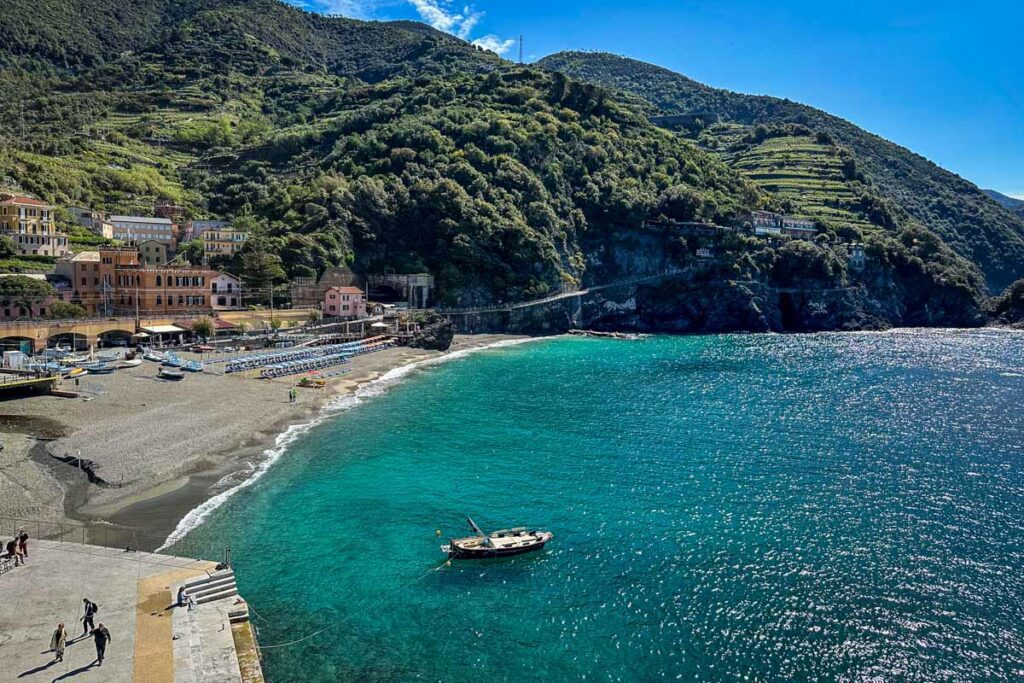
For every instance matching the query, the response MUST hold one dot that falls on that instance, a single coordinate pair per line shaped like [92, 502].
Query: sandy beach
[153, 450]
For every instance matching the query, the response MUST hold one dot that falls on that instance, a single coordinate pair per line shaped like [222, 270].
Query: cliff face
[762, 291]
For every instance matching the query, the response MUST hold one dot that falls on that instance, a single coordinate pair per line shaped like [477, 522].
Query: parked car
[202, 348]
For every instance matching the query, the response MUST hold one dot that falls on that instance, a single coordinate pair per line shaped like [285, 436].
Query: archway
[77, 342]
[110, 338]
[23, 344]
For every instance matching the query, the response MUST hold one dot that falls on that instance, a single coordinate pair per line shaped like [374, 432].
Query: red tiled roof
[346, 290]
[222, 324]
[28, 201]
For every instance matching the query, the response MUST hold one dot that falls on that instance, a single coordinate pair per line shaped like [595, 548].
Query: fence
[108, 536]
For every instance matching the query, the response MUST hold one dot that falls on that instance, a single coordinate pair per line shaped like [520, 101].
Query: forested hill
[968, 220]
[377, 145]
[1011, 203]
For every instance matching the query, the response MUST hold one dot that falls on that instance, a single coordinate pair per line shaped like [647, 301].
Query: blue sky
[945, 79]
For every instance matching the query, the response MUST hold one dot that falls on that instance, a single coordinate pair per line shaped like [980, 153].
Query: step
[239, 615]
[213, 578]
[213, 597]
[219, 588]
[213, 583]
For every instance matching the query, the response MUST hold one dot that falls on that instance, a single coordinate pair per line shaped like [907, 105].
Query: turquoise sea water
[826, 507]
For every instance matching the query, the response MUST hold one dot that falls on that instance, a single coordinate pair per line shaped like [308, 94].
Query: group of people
[17, 547]
[99, 633]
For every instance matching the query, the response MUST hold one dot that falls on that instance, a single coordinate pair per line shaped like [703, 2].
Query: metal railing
[498, 308]
[105, 535]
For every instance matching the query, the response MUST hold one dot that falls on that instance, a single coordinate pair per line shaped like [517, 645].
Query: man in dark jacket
[91, 608]
[102, 637]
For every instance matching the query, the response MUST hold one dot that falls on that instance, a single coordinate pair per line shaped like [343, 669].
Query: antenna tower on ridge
[520, 48]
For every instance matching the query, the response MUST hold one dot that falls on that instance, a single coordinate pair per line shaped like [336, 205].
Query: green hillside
[811, 176]
[1012, 204]
[338, 141]
[908, 186]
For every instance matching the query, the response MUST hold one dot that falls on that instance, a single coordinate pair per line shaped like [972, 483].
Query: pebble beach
[139, 439]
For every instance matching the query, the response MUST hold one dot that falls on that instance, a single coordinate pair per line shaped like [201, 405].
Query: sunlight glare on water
[826, 507]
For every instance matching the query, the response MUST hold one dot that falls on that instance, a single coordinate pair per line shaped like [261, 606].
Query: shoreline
[165, 455]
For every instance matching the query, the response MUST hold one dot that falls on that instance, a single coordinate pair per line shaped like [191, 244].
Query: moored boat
[173, 361]
[132, 363]
[504, 543]
[173, 375]
[73, 373]
[102, 368]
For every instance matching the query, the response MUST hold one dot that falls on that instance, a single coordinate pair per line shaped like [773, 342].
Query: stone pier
[152, 640]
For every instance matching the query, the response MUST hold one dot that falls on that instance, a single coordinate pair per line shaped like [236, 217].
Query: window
[181, 300]
[213, 288]
[159, 300]
[158, 282]
[222, 301]
[83, 282]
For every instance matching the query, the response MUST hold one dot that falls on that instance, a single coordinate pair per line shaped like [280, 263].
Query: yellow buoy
[437, 532]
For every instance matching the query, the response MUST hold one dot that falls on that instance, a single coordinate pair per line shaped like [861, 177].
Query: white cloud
[495, 44]
[440, 14]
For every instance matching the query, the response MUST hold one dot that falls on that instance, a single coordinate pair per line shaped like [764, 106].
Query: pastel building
[225, 292]
[344, 302]
[30, 223]
[138, 229]
[223, 241]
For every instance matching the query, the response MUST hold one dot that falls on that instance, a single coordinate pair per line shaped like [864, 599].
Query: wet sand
[149, 450]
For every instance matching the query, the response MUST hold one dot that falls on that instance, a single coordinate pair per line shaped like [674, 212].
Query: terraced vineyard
[798, 168]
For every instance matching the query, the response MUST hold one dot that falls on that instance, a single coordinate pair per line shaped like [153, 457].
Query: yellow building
[223, 241]
[30, 223]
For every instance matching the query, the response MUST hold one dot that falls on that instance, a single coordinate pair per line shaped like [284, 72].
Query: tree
[275, 324]
[315, 315]
[8, 247]
[62, 310]
[261, 268]
[242, 327]
[203, 327]
[193, 251]
[24, 292]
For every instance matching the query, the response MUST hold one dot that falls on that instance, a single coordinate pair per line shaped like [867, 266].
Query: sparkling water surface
[725, 508]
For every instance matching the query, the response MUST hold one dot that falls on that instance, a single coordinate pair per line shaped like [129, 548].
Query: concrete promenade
[151, 639]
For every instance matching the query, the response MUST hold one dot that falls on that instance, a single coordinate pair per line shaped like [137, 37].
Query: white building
[138, 229]
[225, 292]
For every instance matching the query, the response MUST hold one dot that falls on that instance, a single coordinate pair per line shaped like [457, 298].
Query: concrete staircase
[216, 586]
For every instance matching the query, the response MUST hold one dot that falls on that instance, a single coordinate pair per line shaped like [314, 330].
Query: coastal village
[135, 353]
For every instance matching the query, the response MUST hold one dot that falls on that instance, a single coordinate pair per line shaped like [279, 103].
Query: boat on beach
[504, 543]
[192, 366]
[170, 374]
[173, 361]
[154, 356]
[132, 363]
[102, 368]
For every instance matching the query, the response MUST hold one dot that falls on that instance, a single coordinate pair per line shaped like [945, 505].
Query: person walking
[91, 608]
[23, 545]
[57, 642]
[102, 636]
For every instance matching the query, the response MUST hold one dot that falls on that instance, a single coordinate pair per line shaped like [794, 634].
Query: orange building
[112, 281]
